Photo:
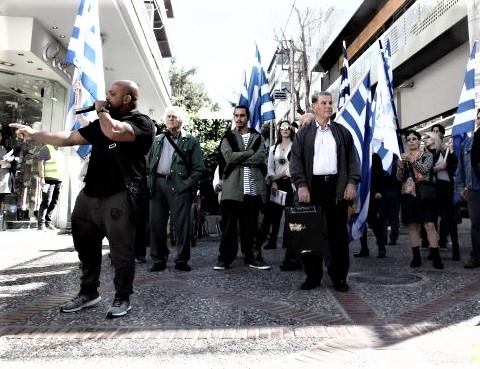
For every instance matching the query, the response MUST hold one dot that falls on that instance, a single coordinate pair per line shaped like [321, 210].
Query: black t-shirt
[104, 177]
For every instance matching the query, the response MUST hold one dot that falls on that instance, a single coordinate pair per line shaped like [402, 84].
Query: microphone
[85, 109]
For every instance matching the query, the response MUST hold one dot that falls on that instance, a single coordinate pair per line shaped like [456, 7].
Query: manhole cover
[384, 278]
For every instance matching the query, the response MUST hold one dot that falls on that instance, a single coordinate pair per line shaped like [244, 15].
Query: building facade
[430, 46]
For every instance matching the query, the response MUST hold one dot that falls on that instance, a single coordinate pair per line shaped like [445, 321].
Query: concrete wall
[436, 88]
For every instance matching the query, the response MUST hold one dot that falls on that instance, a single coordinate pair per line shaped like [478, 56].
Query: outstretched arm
[64, 138]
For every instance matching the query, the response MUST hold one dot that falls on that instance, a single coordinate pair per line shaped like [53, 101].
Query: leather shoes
[341, 286]
[183, 267]
[309, 284]
[158, 267]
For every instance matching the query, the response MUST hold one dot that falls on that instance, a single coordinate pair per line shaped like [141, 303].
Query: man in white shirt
[325, 169]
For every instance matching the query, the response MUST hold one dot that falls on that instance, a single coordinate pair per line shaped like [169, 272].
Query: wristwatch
[103, 110]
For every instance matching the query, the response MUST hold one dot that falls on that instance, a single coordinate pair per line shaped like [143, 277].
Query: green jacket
[232, 188]
[182, 178]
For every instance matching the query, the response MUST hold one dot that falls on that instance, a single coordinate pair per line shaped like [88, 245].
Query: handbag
[425, 190]
[307, 229]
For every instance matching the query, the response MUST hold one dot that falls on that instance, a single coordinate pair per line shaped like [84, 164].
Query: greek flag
[464, 123]
[355, 116]
[85, 53]
[243, 100]
[261, 107]
[344, 83]
[385, 138]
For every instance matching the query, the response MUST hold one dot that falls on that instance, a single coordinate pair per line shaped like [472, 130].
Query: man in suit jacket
[325, 169]
[172, 178]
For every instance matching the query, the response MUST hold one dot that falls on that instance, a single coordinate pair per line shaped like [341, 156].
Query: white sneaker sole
[111, 315]
[88, 304]
[219, 268]
[266, 267]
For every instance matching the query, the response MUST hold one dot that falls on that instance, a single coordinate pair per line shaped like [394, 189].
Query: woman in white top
[278, 178]
[6, 159]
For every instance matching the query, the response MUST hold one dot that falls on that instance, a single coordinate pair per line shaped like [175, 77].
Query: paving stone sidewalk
[239, 318]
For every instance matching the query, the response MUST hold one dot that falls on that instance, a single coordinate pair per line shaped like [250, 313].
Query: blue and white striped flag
[243, 100]
[85, 52]
[344, 83]
[464, 123]
[261, 107]
[355, 116]
[385, 137]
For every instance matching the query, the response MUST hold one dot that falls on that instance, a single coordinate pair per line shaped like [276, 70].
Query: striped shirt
[249, 187]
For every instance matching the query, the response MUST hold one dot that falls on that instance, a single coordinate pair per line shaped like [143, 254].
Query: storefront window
[37, 102]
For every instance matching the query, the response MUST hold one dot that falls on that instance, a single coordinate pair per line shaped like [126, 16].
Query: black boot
[455, 253]
[381, 251]
[364, 252]
[437, 261]
[417, 259]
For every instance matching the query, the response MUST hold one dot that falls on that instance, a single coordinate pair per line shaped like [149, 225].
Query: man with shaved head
[106, 207]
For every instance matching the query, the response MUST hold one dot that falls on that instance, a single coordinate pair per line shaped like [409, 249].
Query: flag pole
[390, 89]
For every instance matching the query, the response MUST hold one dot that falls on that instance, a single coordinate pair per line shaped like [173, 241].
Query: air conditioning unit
[280, 95]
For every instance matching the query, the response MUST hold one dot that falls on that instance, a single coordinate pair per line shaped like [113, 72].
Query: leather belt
[163, 176]
[325, 178]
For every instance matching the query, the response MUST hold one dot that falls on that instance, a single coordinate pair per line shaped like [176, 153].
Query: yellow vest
[51, 167]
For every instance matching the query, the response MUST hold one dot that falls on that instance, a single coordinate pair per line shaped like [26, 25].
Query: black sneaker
[120, 307]
[158, 267]
[259, 264]
[221, 266]
[80, 302]
[341, 286]
[140, 259]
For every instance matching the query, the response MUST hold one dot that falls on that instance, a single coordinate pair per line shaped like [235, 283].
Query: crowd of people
[138, 176]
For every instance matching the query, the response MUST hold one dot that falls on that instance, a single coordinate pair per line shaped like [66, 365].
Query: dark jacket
[303, 149]
[184, 175]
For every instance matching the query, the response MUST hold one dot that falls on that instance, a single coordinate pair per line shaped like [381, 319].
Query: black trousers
[50, 193]
[94, 218]
[446, 212]
[142, 236]
[245, 215]
[390, 212]
[273, 216]
[323, 193]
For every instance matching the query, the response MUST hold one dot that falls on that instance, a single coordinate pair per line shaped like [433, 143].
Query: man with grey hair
[175, 163]
[325, 170]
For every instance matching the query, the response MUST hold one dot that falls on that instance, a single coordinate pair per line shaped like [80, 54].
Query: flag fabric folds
[344, 83]
[85, 53]
[464, 123]
[260, 104]
[243, 100]
[356, 117]
[385, 138]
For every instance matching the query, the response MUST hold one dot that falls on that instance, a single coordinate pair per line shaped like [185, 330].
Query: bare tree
[308, 22]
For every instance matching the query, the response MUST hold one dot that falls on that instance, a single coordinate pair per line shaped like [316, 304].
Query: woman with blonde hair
[444, 167]
[418, 204]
